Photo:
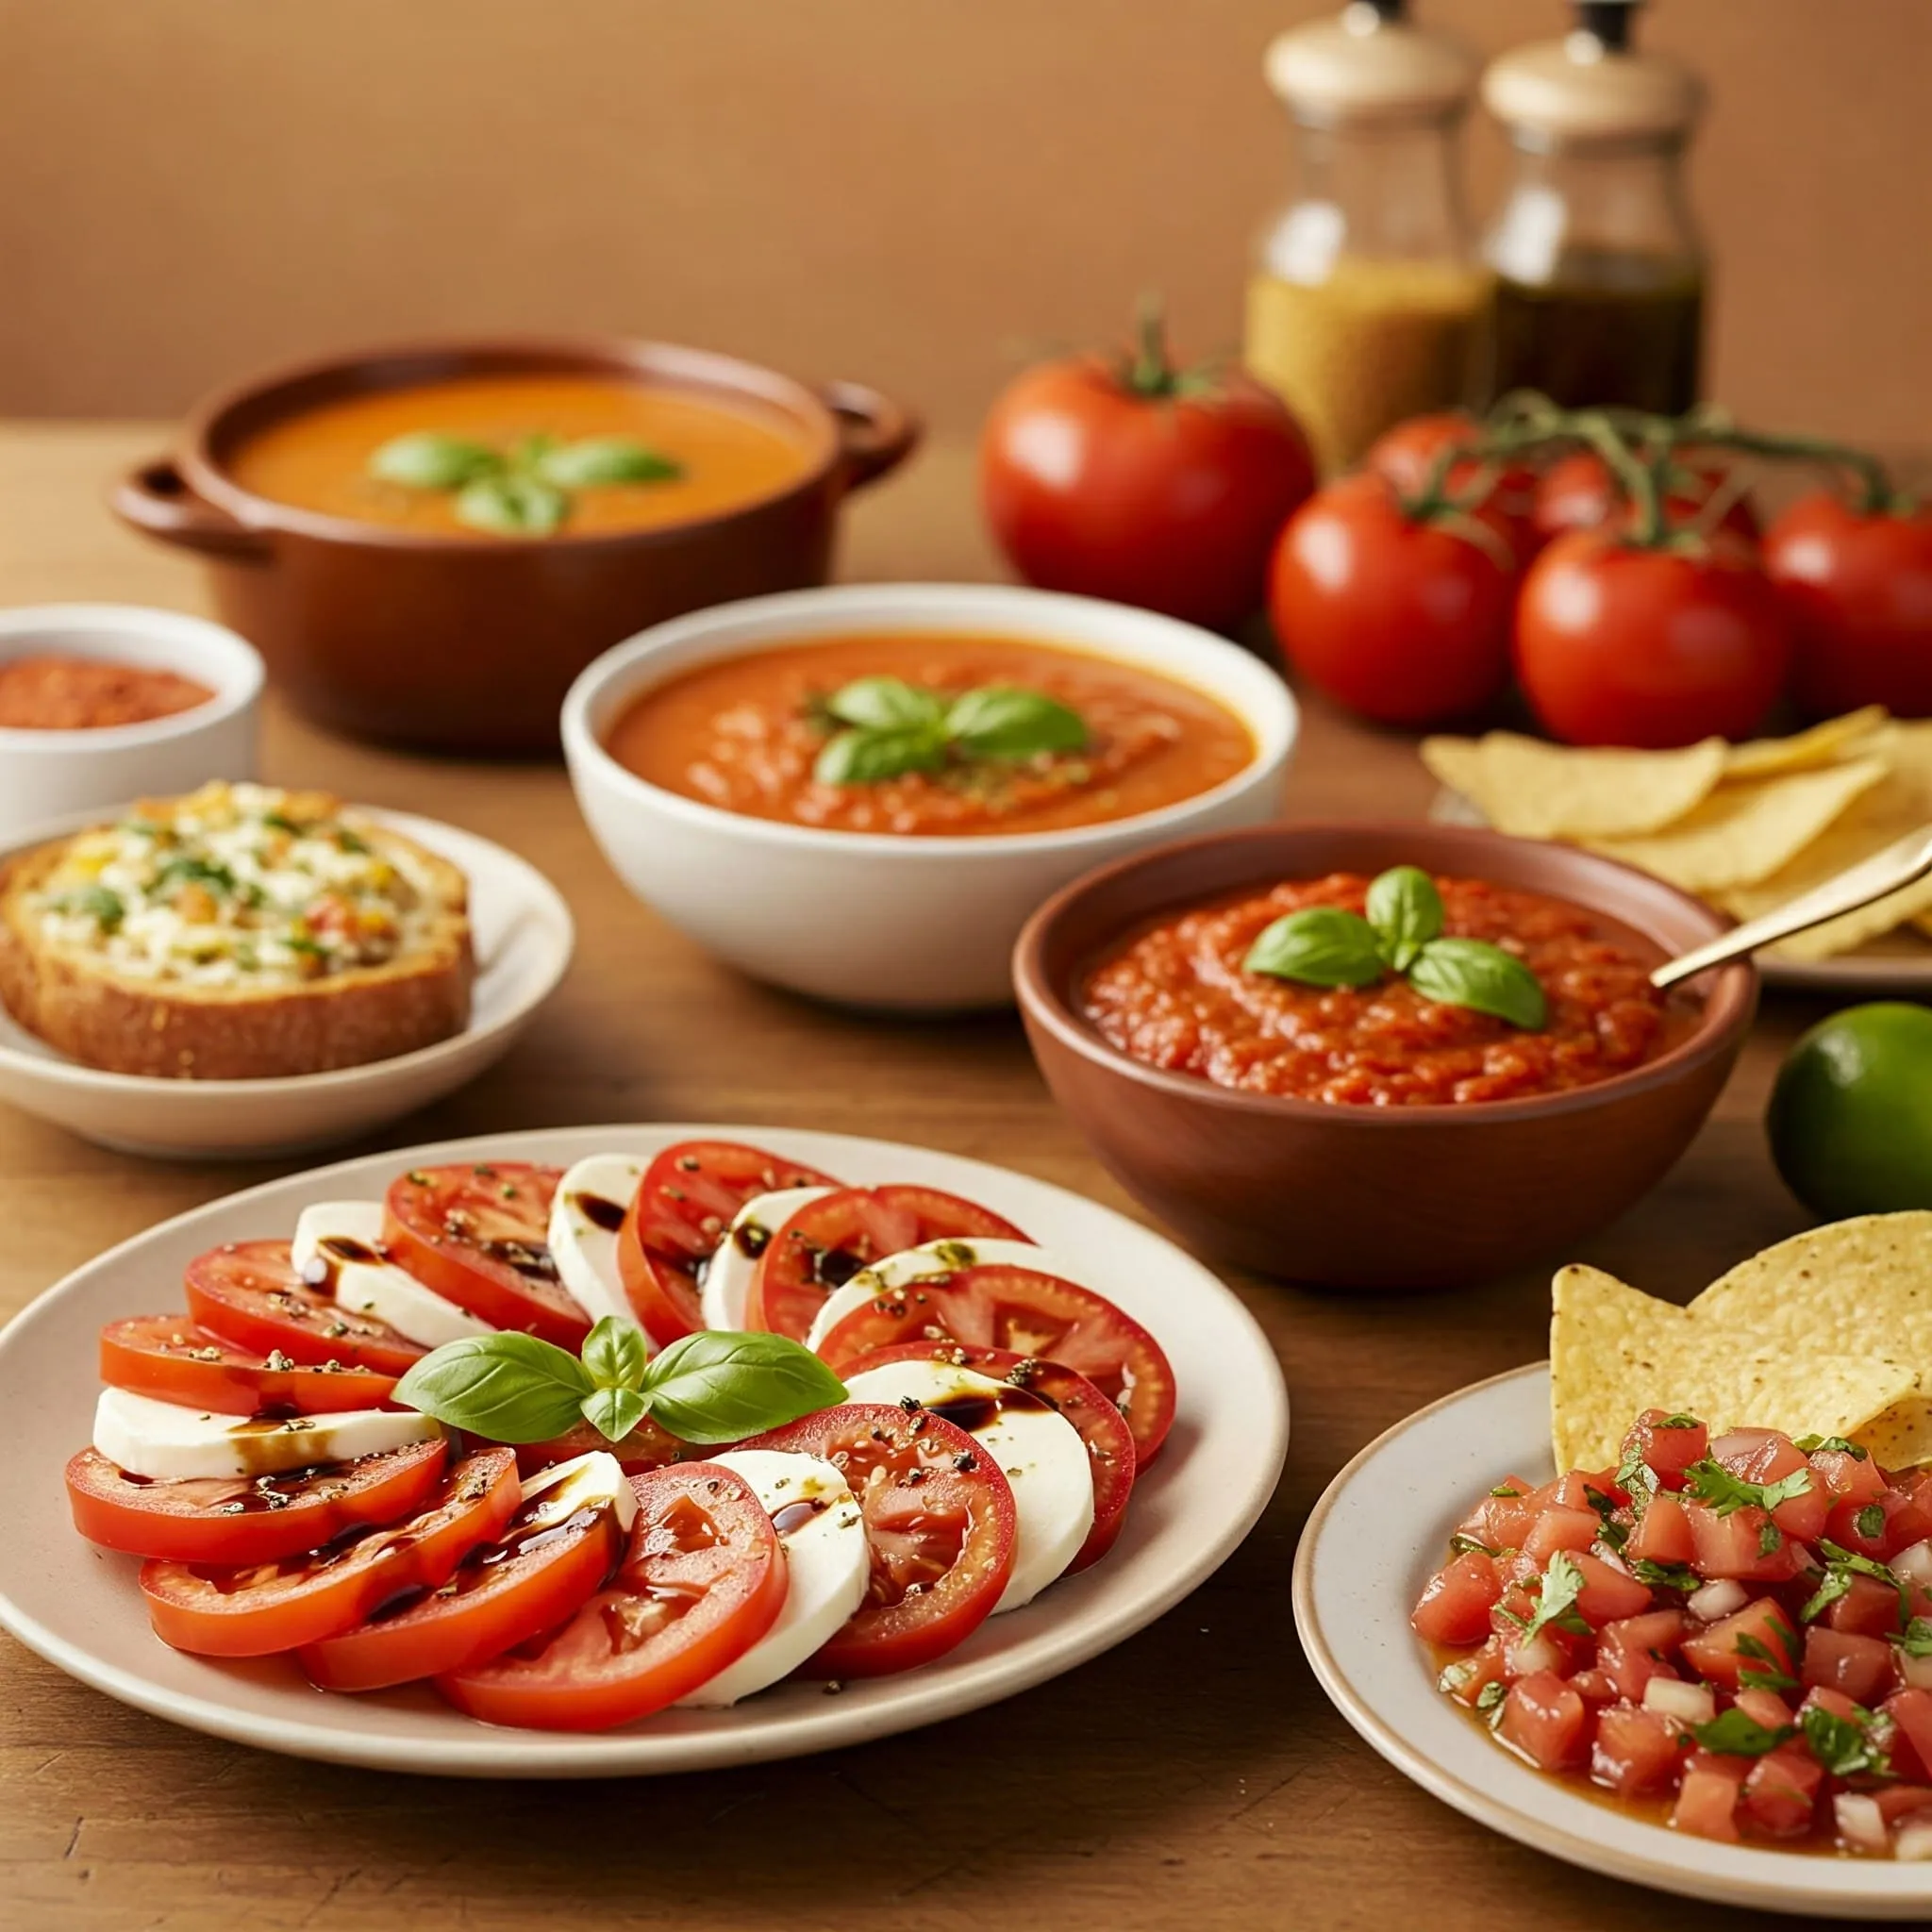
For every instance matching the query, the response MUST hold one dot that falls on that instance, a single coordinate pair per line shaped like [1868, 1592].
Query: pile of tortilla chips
[1827, 1334]
[1747, 826]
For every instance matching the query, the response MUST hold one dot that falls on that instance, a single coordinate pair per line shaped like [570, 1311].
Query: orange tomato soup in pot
[928, 734]
[714, 454]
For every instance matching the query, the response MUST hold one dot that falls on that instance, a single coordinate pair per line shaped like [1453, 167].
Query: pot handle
[156, 499]
[875, 435]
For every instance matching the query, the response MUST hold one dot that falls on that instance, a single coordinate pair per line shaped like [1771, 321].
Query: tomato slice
[829, 1241]
[703, 1579]
[167, 1357]
[250, 1294]
[479, 1234]
[1110, 1452]
[1033, 1314]
[941, 1520]
[233, 1520]
[257, 1608]
[647, 1447]
[684, 1202]
[529, 1579]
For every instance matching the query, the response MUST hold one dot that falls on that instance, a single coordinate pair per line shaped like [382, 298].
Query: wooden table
[1195, 1776]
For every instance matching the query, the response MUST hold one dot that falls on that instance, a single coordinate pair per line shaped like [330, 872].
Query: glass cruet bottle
[1600, 273]
[1366, 301]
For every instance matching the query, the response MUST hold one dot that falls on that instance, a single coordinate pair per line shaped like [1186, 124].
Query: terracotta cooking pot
[469, 643]
[1428, 1196]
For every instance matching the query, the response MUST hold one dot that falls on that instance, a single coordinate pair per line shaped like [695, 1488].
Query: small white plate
[1900, 962]
[79, 1607]
[524, 937]
[1378, 1532]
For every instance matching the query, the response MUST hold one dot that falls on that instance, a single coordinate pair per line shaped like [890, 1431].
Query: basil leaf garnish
[885, 703]
[1473, 973]
[1003, 721]
[717, 1387]
[428, 460]
[614, 1411]
[511, 505]
[1321, 945]
[615, 1354]
[869, 758]
[1405, 911]
[600, 459]
[509, 1387]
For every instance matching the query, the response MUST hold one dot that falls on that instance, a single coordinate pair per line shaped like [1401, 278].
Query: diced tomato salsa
[1176, 996]
[1689, 1634]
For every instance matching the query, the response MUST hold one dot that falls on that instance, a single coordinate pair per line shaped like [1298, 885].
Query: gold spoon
[1902, 863]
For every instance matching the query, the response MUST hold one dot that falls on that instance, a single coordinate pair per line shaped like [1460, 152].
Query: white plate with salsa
[1379, 1532]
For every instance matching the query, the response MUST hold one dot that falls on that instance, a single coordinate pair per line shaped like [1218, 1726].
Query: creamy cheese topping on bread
[237, 885]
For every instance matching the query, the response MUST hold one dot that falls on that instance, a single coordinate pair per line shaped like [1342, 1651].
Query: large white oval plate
[1382, 1525]
[524, 937]
[79, 1608]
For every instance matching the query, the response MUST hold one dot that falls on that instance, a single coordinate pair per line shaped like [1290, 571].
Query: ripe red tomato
[942, 1523]
[479, 1234]
[169, 1357]
[1577, 493]
[685, 1202]
[261, 1609]
[701, 1579]
[249, 1294]
[1134, 481]
[1619, 644]
[1404, 619]
[1858, 586]
[233, 1520]
[829, 1241]
[1407, 455]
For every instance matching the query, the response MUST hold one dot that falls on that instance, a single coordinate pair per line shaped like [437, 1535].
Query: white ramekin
[875, 919]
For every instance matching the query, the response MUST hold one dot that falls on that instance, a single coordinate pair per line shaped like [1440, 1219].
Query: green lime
[1849, 1119]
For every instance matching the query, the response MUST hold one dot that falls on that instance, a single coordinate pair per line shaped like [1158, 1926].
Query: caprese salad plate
[622, 1450]
[1366, 1562]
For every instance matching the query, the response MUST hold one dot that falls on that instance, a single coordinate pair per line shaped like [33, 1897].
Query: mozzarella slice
[934, 1261]
[164, 1440]
[584, 1218]
[1039, 1449]
[338, 1251]
[728, 1272]
[554, 1496]
[827, 1563]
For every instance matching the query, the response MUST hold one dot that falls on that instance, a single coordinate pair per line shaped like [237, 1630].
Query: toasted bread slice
[79, 987]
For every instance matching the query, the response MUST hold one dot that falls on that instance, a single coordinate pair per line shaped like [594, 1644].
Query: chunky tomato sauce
[53, 693]
[1176, 997]
[743, 735]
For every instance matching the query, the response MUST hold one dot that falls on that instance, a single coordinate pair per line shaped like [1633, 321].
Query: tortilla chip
[1856, 1286]
[1805, 751]
[1902, 1437]
[1615, 1351]
[1538, 791]
[1743, 834]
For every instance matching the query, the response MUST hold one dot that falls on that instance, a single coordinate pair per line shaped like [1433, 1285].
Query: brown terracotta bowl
[1378, 1197]
[469, 643]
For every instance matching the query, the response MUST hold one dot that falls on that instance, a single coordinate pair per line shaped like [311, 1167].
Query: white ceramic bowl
[45, 774]
[874, 918]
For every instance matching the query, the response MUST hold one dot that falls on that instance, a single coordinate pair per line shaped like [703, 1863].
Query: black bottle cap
[1608, 21]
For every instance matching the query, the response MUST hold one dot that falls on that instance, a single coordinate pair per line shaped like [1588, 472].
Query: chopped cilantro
[1845, 1746]
[98, 904]
[1503, 1489]
[1562, 1584]
[1774, 1676]
[1916, 1639]
[302, 942]
[281, 822]
[1456, 1675]
[1734, 1733]
[1870, 1521]
[1715, 1486]
[193, 870]
[1809, 1443]
[1459, 1545]
[1635, 1478]
[1489, 1698]
[1841, 1565]
[1665, 1576]
[351, 843]
[1771, 1539]
[1680, 1421]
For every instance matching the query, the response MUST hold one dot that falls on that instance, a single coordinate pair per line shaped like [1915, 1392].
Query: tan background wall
[914, 191]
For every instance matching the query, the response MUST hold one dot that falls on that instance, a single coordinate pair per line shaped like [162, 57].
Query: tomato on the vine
[1143, 483]
[1577, 493]
[1858, 583]
[1408, 454]
[1618, 642]
[1399, 610]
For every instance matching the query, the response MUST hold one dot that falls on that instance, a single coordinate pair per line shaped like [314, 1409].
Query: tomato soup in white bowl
[861, 793]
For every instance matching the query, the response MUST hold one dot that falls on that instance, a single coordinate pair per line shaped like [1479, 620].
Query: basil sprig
[707, 1387]
[523, 491]
[1326, 945]
[891, 728]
